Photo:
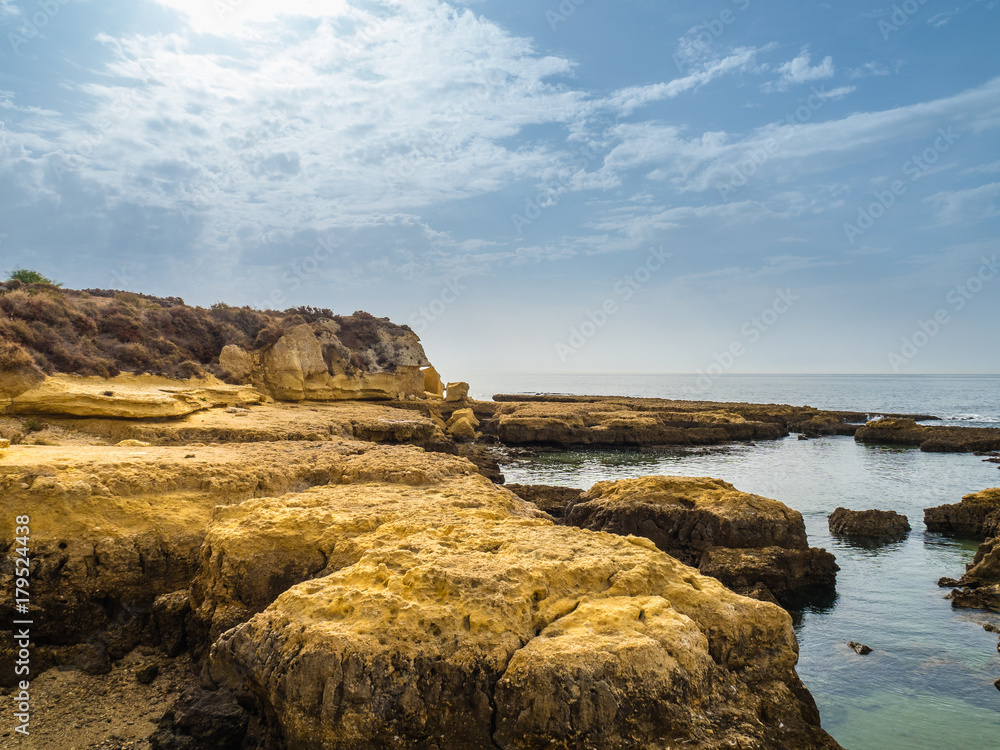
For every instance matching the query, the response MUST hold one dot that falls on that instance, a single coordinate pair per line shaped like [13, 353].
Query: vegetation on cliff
[47, 330]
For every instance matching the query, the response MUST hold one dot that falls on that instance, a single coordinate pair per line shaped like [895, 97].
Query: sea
[928, 683]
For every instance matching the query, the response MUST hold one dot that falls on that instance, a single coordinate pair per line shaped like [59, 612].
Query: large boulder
[977, 514]
[312, 362]
[868, 523]
[446, 614]
[751, 543]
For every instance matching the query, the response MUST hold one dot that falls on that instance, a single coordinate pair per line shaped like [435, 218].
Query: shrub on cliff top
[27, 276]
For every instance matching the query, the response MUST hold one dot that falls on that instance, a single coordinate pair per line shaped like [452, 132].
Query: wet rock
[979, 588]
[553, 500]
[744, 540]
[868, 523]
[976, 515]
[934, 439]
[859, 648]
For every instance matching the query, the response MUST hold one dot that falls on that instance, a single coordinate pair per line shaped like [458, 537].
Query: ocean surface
[928, 684]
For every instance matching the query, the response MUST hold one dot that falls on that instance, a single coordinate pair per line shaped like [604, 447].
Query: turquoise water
[929, 682]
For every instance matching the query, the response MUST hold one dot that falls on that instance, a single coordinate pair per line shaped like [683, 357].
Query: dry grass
[104, 332]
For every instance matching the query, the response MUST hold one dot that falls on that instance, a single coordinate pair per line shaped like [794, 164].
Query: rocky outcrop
[113, 528]
[933, 439]
[868, 523]
[458, 391]
[978, 514]
[310, 362]
[607, 424]
[129, 396]
[549, 498]
[979, 588]
[751, 543]
[448, 615]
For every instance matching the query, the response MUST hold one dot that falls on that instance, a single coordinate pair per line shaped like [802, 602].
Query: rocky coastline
[308, 543]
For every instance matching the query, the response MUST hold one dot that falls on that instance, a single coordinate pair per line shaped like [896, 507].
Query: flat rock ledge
[755, 545]
[868, 523]
[932, 439]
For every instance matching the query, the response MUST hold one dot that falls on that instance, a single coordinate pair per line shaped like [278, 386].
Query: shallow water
[929, 682]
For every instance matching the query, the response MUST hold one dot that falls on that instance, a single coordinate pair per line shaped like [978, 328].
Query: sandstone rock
[202, 719]
[979, 588]
[868, 523]
[934, 439]
[612, 423]
[859, 648]
[743, 539]
[310, 362]
[132, 396]
[467, 414]
[452, 618]
[553, 500]
[457, 391]
[462, 430]
[974, 516]
[132, 444]
[433, 387]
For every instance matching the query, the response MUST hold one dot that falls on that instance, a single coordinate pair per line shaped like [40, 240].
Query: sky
[722, 186]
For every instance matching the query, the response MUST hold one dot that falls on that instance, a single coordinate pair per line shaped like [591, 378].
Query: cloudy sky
[533, 185]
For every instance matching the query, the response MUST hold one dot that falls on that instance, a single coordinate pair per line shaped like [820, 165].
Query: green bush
[27, 276]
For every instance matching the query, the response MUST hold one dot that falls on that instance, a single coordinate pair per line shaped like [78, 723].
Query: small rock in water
[997, 684]
[991, 628]
[859, 648]
[949, 583]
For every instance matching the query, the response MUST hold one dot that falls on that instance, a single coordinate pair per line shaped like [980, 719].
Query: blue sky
[584, 186]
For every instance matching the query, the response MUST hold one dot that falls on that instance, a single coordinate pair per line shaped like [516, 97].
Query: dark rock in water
[980, 586]
[859, 648]
[868, 523]
[997, 684]
[933, 439]
[202, 719]
[977, 515]
[553, 500]
[991, 628]
[803, 437]
[948, 583]
[750, 543]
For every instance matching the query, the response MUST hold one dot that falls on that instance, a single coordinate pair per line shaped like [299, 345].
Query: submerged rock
[744, 540]
[868, 523]
[859, 648]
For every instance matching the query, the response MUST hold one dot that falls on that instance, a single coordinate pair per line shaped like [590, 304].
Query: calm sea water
[929, 682]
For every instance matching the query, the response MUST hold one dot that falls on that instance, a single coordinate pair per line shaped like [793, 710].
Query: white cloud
[799, 71]
[7, 8]
[873, 68]
[967, 206]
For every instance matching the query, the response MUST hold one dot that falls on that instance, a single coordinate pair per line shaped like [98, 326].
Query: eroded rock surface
[745, 540]
[868, 523]
[449, 616]
[978, 514]
[934, 439]
[553, 500]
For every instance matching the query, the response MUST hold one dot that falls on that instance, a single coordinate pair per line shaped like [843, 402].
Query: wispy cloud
[967, 206]
[799, 70]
